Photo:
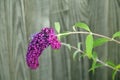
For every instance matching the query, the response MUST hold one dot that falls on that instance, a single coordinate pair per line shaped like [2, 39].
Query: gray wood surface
[21, 18]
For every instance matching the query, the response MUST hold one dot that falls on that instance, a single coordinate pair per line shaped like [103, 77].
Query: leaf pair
[80, 25]
[89, 39]
[117, 67]
[77, 51]
[95, 65]
[101, 41]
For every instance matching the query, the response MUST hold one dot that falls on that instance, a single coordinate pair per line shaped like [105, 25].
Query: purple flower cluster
[39, 42]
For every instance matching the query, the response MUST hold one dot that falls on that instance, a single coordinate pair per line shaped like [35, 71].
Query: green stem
[98, 60]
[95, 34]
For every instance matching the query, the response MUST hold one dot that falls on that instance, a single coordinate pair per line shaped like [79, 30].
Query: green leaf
[95, 65]
[57, 27]
[110, 63]
[118, 66]
[99, 42]
[75, 54]
[94, 56]
[89, 45]
[113, 74]
[98, 65]
[117, 34]
[82, 25]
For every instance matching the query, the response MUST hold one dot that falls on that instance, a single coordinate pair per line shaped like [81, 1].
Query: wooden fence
[21, 18]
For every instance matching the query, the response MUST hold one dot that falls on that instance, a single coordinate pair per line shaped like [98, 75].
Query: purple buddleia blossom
[32, 35]
[38, 43]
[55, 44]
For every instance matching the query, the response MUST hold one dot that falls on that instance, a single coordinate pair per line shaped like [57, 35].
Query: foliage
[99, 42]
[57, 27]
[91, 43]
[117, 34]
[82, 25]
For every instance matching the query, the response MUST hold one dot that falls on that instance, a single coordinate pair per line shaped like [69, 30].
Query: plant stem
[95, 34]
[106, 65]
[98, 60]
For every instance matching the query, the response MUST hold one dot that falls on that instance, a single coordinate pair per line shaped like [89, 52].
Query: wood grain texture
[21, 18]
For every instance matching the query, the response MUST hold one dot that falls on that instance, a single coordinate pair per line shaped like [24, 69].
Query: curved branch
[98, 60]
[95, 34]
